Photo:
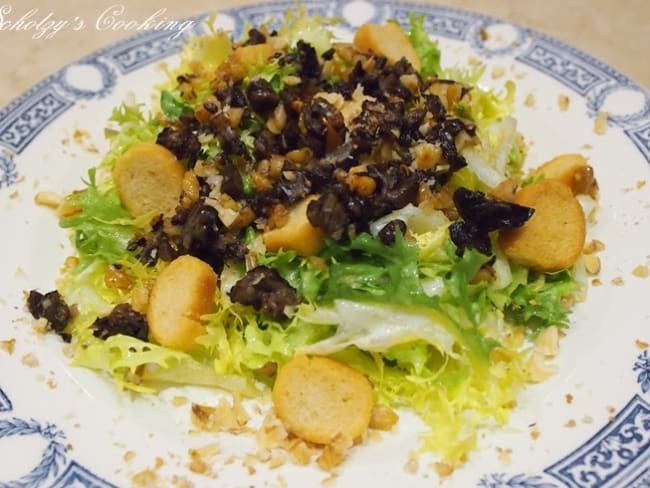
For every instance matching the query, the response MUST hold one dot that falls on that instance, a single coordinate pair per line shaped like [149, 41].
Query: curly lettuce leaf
[487, 106]
[128, 125]
[300, 25]
[141, 366]
[102, 226]
[173, 106]
[427, 49]
[368, 270]
[538, 299]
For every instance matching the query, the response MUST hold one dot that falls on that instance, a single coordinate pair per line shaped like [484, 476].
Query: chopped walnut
[593, 246]
[641, 271]
[30, 360]
[529, 101]
[145, 478]
[444, 469]
[563, 102]
[179, 401]
[334, 453]
[48, 199]
[592, 264]
[413, 464]
[641, 344]
[618, 281]
[504, 455]
[383, 418]
[600, 124]
[498, 72]
[224, 417]
[8, 346]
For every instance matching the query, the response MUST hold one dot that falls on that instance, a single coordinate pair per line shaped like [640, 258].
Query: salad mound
[296, 196]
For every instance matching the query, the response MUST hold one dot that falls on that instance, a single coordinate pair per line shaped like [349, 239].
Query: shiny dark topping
[122, 320]
[276, 141]
[198, 231]
[482, 215]
[388, 233]
[255, 37]
[261, 96]
[264, 289]
[183, 142]
[50, 306]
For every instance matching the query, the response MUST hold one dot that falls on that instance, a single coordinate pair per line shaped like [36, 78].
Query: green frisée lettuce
[102, 227]
[139, 365]
[298, 25]
[539, 300]
[427, 49]
[127, 126]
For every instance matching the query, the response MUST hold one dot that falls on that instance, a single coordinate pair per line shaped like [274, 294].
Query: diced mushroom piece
[297, 234]
[554, 236]
[183, 292]
[319, 399]
[388, 40]
[149, 178]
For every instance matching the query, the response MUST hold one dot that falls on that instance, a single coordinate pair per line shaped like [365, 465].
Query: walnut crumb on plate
[8, 346]
[529, 101]
[30, 360]
[618, 281]
[563, 102]
[600, 124]
[641, 271]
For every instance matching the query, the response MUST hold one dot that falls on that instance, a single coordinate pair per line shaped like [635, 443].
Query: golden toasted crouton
[149, 178]
[318, 399]
[182, 293]
[388, 40]
[571, 169]
[554, 236]
[297, 234]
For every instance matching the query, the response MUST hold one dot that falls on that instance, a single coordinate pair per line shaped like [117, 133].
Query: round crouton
[149, 178]
[318, 399]
[554, 236]
[183, 291]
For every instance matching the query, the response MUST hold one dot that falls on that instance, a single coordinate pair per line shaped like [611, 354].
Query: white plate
[61, 426]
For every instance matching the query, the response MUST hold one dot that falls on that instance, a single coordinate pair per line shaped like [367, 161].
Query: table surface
[617, 32]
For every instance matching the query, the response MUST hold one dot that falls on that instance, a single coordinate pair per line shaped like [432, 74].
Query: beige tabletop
[615, 31]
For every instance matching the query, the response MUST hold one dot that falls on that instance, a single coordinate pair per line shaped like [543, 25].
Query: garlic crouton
[387, 40]
[182, 293]
[554, 236]
[318, 399]
[571, 169]
[149, 178]
[297, 234]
